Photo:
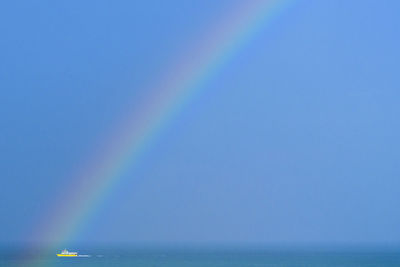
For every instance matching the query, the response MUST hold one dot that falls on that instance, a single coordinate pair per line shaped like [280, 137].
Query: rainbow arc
[183, 79]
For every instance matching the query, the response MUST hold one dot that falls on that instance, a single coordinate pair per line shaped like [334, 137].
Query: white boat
[66, 253]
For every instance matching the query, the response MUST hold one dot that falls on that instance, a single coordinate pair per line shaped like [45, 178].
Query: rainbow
[125, 146]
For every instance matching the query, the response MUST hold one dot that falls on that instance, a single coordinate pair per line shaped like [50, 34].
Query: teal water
[211, 258]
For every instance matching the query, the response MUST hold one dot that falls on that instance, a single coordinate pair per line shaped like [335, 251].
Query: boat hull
[63, 255]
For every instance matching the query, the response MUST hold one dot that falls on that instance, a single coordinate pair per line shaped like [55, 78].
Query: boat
[66, 253]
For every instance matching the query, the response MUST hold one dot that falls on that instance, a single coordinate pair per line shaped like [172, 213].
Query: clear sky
[295, 139]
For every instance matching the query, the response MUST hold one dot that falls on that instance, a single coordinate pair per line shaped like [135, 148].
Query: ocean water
[208, 258]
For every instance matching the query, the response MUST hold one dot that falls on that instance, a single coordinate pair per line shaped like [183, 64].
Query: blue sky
[295, 139]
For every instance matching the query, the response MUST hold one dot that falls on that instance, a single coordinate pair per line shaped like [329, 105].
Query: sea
[208, 257]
